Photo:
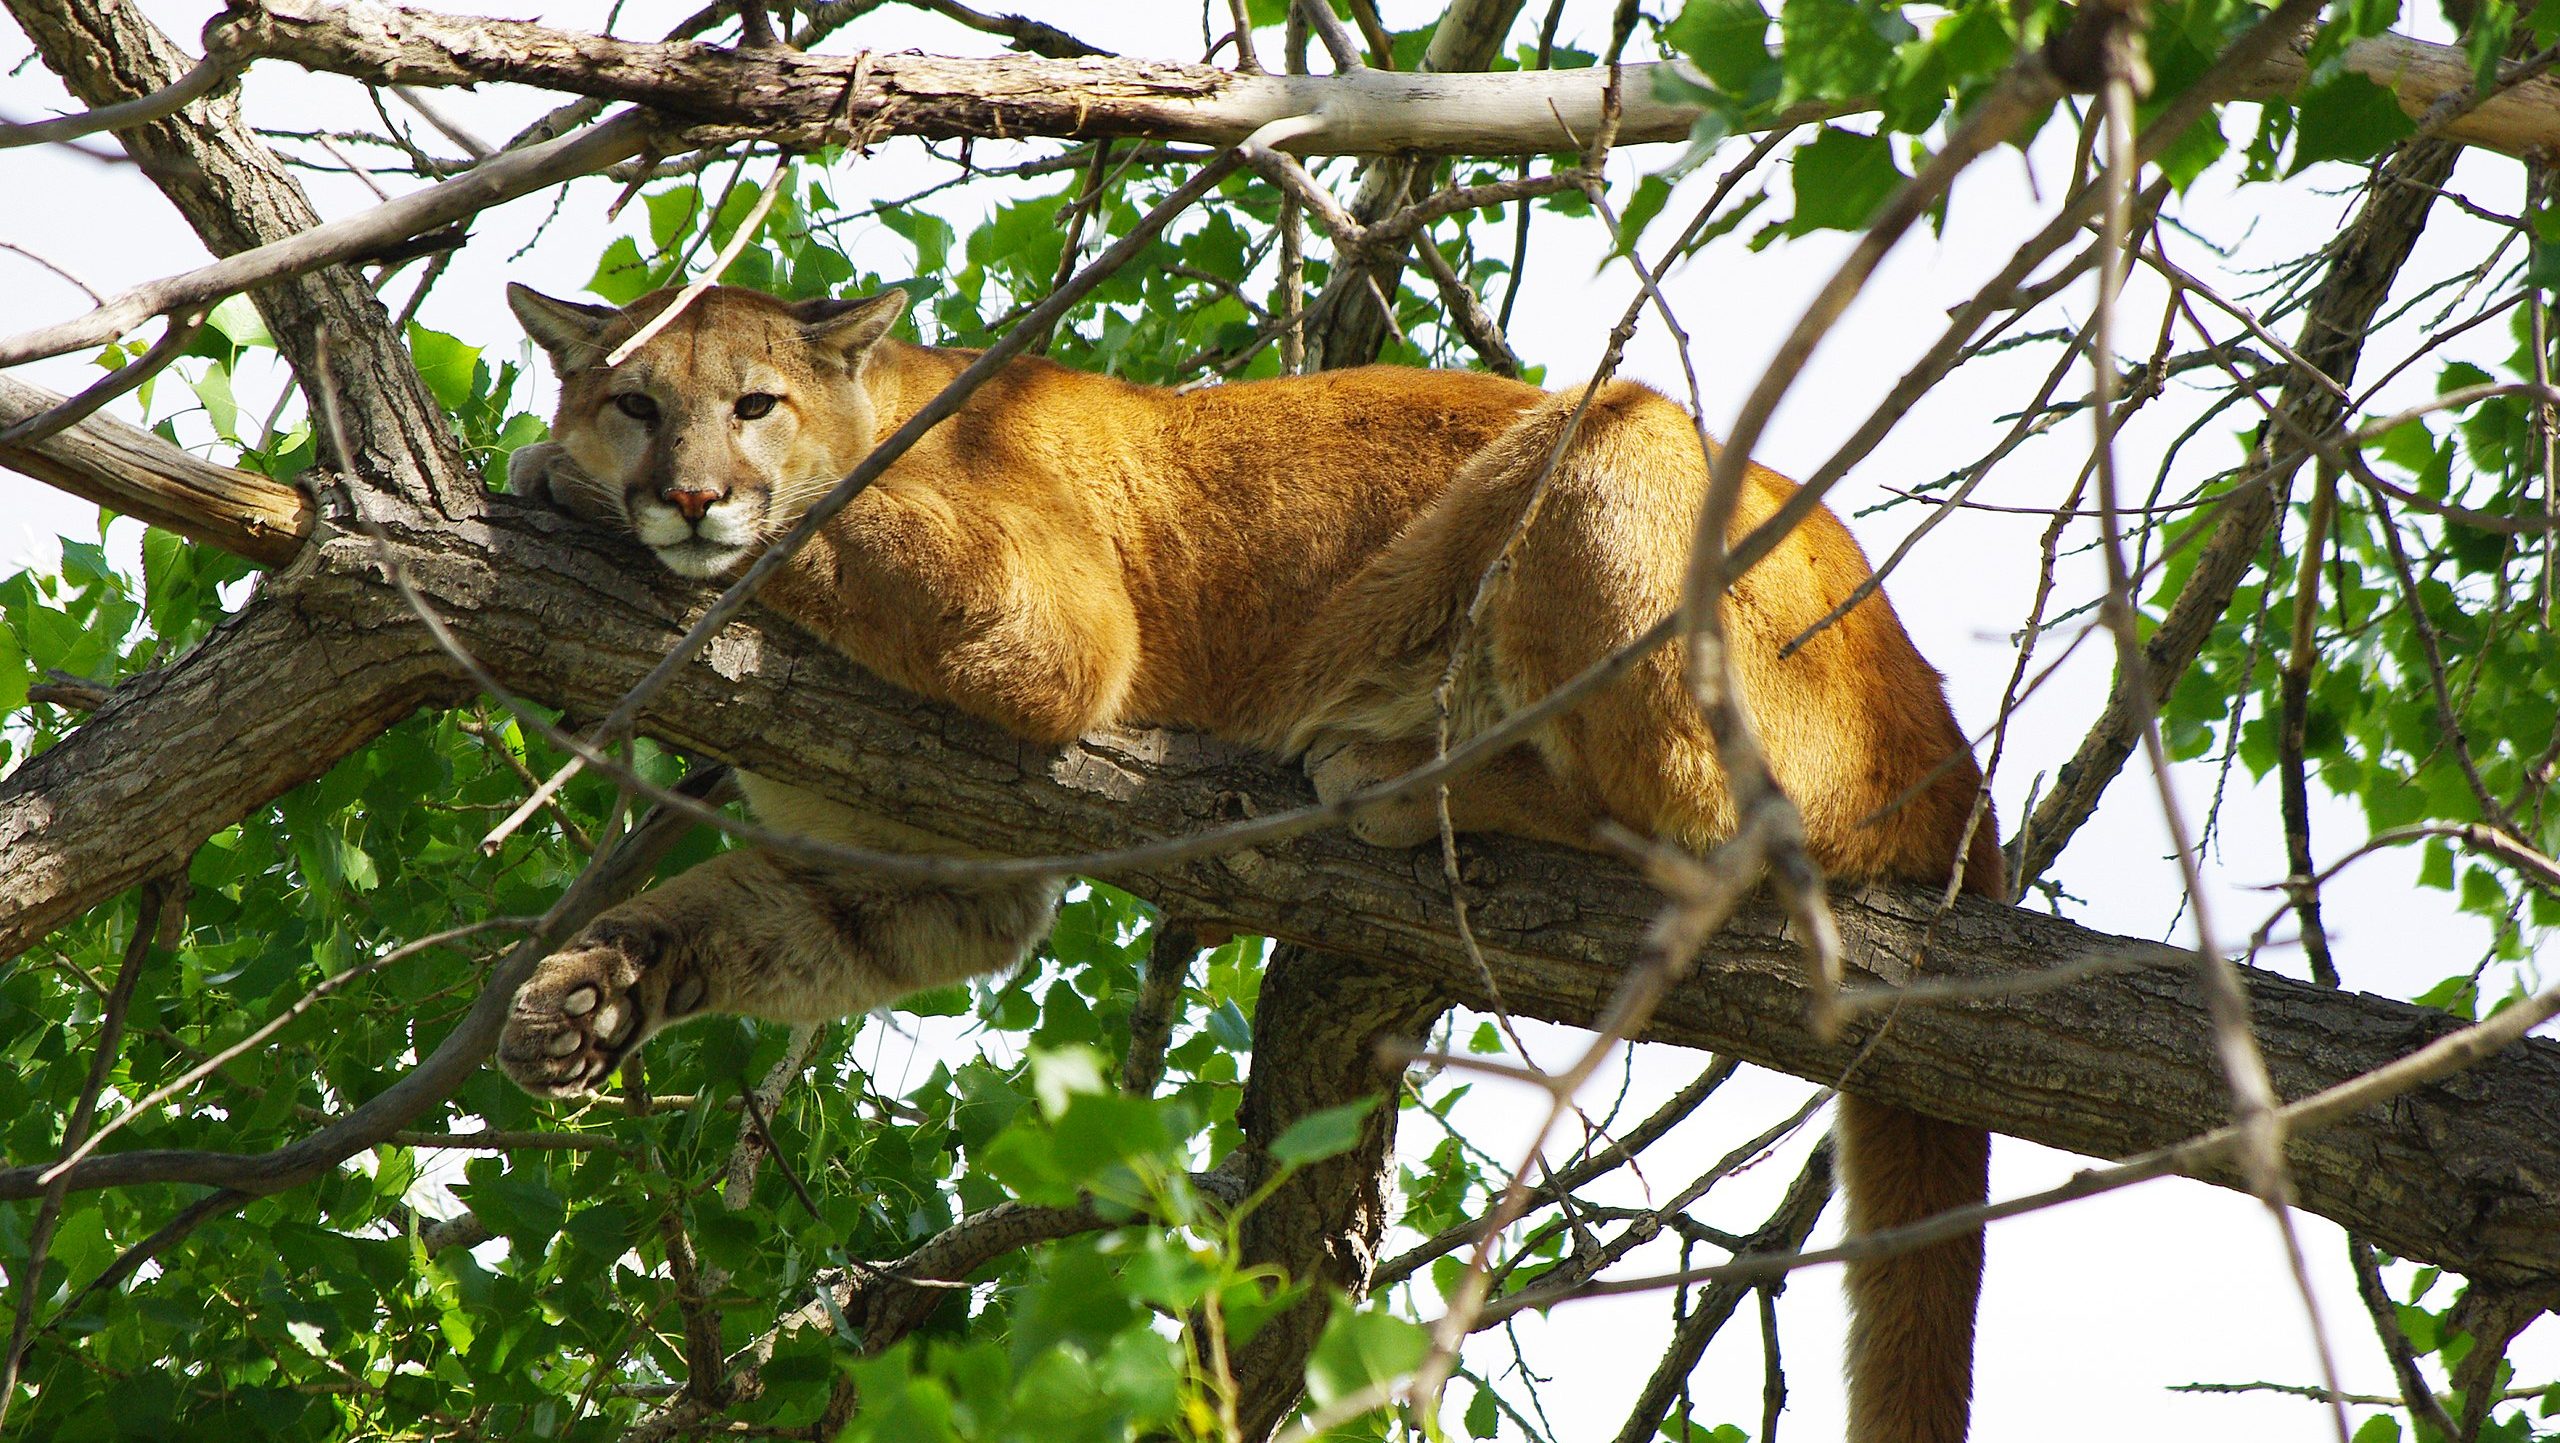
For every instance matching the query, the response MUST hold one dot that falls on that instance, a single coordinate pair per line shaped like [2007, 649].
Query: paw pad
[581, 1013]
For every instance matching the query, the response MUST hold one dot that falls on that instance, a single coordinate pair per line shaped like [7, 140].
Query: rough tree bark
[2464, 1172]
[1318, 1030]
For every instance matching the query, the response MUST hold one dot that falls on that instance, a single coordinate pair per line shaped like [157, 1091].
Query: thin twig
[173, 342]
[739, 240]
[211, 73]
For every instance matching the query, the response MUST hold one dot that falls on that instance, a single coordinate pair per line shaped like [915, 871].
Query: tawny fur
[1286, 563]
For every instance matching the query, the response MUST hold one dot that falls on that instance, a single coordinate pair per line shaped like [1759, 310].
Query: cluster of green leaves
[1916, 66]
[2433, 1336]
[2463, 633]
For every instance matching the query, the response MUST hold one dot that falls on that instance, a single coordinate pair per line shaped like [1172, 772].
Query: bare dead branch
[511, 174]
[1674, 1110]
[127, 469]
[181, 332]
[214, 71]
[1785, 1231]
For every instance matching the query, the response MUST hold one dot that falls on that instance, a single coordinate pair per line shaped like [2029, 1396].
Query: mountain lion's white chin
[702, 560]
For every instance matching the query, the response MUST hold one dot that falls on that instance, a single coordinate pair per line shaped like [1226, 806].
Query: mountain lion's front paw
[588, 1005]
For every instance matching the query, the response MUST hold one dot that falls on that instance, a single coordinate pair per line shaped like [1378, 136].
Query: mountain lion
[1285, 563]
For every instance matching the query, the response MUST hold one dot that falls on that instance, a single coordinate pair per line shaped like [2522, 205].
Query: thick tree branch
[2465, 1172]
[277, 696]
[127, 469]
[1324, 1035]
[811, 99]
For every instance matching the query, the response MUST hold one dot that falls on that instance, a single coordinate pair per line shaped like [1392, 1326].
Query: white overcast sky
[2090, 1312]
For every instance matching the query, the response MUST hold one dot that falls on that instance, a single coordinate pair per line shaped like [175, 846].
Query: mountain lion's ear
[850, 328]
[572, 333]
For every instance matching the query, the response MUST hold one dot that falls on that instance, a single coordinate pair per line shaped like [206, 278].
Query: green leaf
[238, 321]
[1322, 1134]
[1841, 178]
[1228, 1025]
[1059, 1074]
[1728, 40]
[673, 213]
[213, 388]
[2188, 157]
[621, 275]
[15, 674]
[524, 1209]
[2346, 117]
[1360, 1350]
[1837, 49]
[2360, 18]
[2380, 1428]
[355, 864]
[1652, 193]
[445, 363]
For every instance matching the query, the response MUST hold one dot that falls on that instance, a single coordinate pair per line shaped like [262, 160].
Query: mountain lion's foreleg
[756, 933]
[1003, 611]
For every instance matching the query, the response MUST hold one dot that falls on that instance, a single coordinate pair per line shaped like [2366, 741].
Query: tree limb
[1325, 1034]
[809, 99]
[127, 469]
[2334, 327]
[2465, 1172]
[1785, 1231]
[1345, 323]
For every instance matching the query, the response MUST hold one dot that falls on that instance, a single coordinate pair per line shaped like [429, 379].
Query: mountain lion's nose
[691, 503]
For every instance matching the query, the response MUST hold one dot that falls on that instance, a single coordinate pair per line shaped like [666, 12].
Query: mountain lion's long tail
[1911, 1334]
[1911, 1337]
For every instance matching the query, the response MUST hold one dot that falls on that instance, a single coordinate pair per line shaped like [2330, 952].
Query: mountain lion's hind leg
[1513, 793]
[755, 933]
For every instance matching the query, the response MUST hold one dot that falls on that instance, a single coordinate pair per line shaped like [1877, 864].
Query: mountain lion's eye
[755, 405]
[636, 406]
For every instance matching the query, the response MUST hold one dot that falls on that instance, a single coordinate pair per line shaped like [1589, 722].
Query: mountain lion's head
[717, 432]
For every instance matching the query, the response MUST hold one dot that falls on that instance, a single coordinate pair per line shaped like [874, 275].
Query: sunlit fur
[1286, 563]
